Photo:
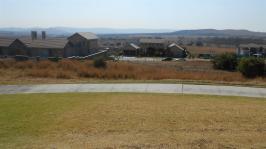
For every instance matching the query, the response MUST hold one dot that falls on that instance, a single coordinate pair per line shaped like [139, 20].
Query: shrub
[252, 67]
[168, 59]
[199, 43]
[21, 58]
[226, 61]
[205, 56]
[99, 63]
[54, 59]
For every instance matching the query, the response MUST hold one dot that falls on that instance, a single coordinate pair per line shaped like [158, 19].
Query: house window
[50, 52]
[78, 45]
[71, 44]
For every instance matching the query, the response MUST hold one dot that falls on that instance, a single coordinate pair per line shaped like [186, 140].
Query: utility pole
[182, 88]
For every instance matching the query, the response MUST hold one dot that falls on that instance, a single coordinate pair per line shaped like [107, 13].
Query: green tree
[252, 67]
[226, 61]
[99, 63]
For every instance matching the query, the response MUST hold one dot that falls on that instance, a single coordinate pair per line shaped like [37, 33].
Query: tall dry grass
[71, 69]
[195, 50]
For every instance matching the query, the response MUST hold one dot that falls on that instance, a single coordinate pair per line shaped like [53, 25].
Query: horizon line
[130, 28]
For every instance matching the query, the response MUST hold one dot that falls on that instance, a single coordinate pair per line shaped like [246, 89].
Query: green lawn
[113, 120]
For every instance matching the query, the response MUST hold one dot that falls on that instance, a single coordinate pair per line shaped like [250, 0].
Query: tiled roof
[5, 42]
[50, 43]
[87, 35]
[252, 45]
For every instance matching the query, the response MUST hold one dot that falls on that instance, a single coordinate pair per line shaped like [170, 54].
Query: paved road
[136, 88]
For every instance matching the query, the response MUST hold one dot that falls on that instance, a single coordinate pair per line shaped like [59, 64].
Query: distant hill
[66, 31]
[219, 33]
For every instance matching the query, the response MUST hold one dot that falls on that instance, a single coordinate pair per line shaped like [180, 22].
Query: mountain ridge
[220, 33]
[64, 31]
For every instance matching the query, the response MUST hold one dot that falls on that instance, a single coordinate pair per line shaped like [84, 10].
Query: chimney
[43, 35]
[34, 35]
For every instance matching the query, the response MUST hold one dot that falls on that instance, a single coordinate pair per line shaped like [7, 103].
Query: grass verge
[112, 120]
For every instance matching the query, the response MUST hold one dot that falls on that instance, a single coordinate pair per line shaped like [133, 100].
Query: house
[251, 50]
[16, 48]
[79, 44]
[4, 45]
[175, 51]
[153, 47]
[38, 47]
[131, 50]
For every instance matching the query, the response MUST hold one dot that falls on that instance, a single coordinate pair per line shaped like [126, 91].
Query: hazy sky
[154, 14]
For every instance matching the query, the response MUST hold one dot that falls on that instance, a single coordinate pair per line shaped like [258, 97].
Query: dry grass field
[196, 50]
[114, 120]
[71, 71]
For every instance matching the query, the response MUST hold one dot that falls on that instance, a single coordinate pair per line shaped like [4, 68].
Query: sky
[147, 14]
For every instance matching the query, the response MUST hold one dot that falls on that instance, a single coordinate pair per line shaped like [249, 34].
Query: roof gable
[85, 35]
[134, 46]
[6, 42]
[175, 45]
[17, 42]
[252, 45]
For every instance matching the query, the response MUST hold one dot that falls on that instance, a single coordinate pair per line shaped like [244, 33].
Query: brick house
[79, 44]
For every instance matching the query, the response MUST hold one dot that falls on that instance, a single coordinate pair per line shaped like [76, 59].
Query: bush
[54, 59]
[205, 56]
[168, 59]
[99, 63]
[199, 43]
[21, 58]
[252, 67]
[226, 61]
